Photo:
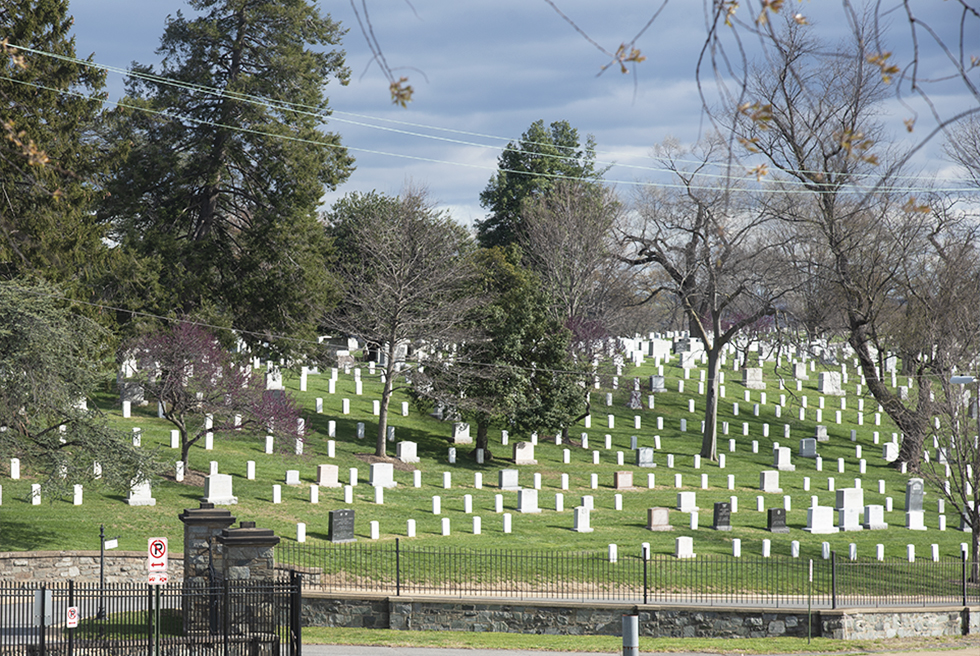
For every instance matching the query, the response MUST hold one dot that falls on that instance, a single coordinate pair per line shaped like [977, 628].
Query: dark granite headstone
[341, 526]
[723, 516]
[777, 520]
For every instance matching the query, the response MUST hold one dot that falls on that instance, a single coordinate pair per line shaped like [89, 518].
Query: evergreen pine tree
[226, 163]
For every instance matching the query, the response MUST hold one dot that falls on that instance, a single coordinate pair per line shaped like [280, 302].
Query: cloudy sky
[484, 70]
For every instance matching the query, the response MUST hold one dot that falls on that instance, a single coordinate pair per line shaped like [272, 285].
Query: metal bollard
[631, 635]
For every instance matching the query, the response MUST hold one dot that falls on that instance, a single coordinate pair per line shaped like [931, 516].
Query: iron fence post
[226, 620]
[833, 579]
[296, 614]
[149, 619]
[398, 568]
[71, 602]
[44, 628]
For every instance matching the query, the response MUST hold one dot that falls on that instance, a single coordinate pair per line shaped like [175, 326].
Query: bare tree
[570, 241]
[718, 255]
[404, 271]
[814, 122]
[963, 147]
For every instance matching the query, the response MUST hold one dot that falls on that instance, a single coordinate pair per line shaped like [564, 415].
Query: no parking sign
[71, 617]
[156, 552]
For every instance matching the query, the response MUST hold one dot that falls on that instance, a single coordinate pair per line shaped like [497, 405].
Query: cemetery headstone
[328, 475]
[782, 459]
[508, 479]
[684, 547]
[829, 383]
[140, 494]
[723, 516]
[776, 520]
[341, 526]
[686, 502]
[461, 433]
[524, 454]
[581, 520]
[527, 501]
[382, 474]
[769, 481]
[752, 378]
[407, 451]
[874, 518]
[658, 519]
[218, 490]
[623, 480]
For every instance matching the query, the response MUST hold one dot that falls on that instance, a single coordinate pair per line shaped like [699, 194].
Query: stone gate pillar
[203, 550]
[248, 553]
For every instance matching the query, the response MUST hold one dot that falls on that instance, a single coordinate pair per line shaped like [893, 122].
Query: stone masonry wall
[875, 624]
[52, 566]
[426, 613]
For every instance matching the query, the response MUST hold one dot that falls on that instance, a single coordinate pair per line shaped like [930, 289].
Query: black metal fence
[230, 618]
[393, 569]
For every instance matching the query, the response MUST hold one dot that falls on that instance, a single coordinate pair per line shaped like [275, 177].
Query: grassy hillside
[57, 524]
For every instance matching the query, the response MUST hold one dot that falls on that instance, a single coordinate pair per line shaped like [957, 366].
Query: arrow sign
[156, 555]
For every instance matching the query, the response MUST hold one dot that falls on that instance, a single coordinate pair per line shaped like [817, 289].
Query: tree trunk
[483, 437]
[380, 448]
[709, 439]
[914, 423]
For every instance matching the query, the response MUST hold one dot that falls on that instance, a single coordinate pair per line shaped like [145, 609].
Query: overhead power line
[769, 185]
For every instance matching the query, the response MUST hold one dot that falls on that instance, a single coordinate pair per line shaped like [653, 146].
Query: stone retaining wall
[437, 614]
[81, 566]
[892, 623]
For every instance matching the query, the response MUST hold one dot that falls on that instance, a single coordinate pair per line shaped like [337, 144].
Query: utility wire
[283, 106]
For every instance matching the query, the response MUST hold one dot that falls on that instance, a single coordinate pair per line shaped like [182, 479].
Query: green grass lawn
[613, 644]
[58, 525]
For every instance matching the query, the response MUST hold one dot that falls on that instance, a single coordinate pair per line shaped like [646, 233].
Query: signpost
[156, 567]
[103, 545]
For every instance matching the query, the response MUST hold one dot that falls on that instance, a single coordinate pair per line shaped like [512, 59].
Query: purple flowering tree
[204, 387]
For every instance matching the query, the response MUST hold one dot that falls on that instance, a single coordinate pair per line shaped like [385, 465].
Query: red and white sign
[71, 617]
[156, 552]
[157, 578]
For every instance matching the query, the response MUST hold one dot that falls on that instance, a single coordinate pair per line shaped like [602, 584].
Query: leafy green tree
[527, 170]
[404, 270]
[516, 370]
[50, 361]
[226, 163]
[50, 157]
